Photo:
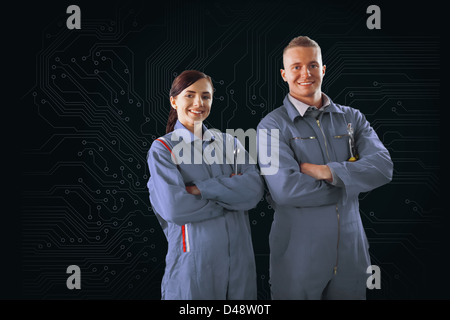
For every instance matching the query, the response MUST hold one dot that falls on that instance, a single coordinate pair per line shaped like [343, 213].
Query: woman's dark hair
[184, 80]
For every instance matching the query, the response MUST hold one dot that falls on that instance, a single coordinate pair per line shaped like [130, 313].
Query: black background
[405, 221]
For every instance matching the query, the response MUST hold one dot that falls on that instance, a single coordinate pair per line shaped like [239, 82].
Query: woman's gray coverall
[210, 251]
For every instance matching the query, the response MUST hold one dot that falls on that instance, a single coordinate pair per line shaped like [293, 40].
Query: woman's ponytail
[173, 116]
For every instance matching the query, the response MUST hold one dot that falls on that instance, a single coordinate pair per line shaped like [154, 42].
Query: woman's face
[193, 103]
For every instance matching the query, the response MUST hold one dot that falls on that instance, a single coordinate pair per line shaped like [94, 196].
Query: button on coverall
[210, 252]
[318, 247]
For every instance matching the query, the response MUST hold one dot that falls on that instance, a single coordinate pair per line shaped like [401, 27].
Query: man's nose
[305, 72]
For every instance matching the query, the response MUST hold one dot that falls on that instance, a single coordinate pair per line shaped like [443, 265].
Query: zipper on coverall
[337, 210]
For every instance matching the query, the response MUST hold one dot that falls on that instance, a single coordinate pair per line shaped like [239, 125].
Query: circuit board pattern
[101, 97]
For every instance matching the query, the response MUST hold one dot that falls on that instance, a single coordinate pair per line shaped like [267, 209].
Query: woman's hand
[193, 190]
[234, 174]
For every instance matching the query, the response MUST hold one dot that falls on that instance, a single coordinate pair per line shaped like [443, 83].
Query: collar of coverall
[294, 113]
[208, 135]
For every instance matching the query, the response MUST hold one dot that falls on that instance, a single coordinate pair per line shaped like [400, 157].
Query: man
[328, 154]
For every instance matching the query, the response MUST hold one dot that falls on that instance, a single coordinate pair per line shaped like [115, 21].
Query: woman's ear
[172, 102]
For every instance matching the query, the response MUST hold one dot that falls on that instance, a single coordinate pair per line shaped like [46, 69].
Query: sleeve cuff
[206, 189]
[337, 182]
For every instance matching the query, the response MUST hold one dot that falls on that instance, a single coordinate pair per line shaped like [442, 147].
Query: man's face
[303, 71]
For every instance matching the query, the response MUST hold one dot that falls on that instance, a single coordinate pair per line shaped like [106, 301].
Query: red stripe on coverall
[183, 231]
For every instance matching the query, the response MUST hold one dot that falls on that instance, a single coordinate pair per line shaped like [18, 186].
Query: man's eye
[206, 97]
[314, 66]
[297, 68]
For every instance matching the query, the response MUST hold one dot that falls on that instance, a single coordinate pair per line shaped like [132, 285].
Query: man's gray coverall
[318, 247]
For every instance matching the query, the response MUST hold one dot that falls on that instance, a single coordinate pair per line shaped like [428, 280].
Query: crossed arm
[307, 184]
[196, 191]
[317, 171]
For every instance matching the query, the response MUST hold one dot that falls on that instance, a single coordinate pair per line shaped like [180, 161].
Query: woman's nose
[198, 101]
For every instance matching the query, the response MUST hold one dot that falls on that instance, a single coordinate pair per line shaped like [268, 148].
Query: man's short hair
[301, 41]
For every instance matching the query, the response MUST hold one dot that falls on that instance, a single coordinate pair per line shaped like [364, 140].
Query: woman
[201, 204]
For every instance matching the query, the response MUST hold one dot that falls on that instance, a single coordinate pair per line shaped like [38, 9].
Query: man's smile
[305, 83]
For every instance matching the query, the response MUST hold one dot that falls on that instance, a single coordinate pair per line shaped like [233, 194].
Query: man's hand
[317, 171]
[193, 190]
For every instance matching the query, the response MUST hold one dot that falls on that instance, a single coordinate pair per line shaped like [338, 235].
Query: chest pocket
[306, 149]
[341, 147]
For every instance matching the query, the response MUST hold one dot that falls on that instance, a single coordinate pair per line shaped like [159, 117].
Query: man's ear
[283, 74]
[323, 70]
